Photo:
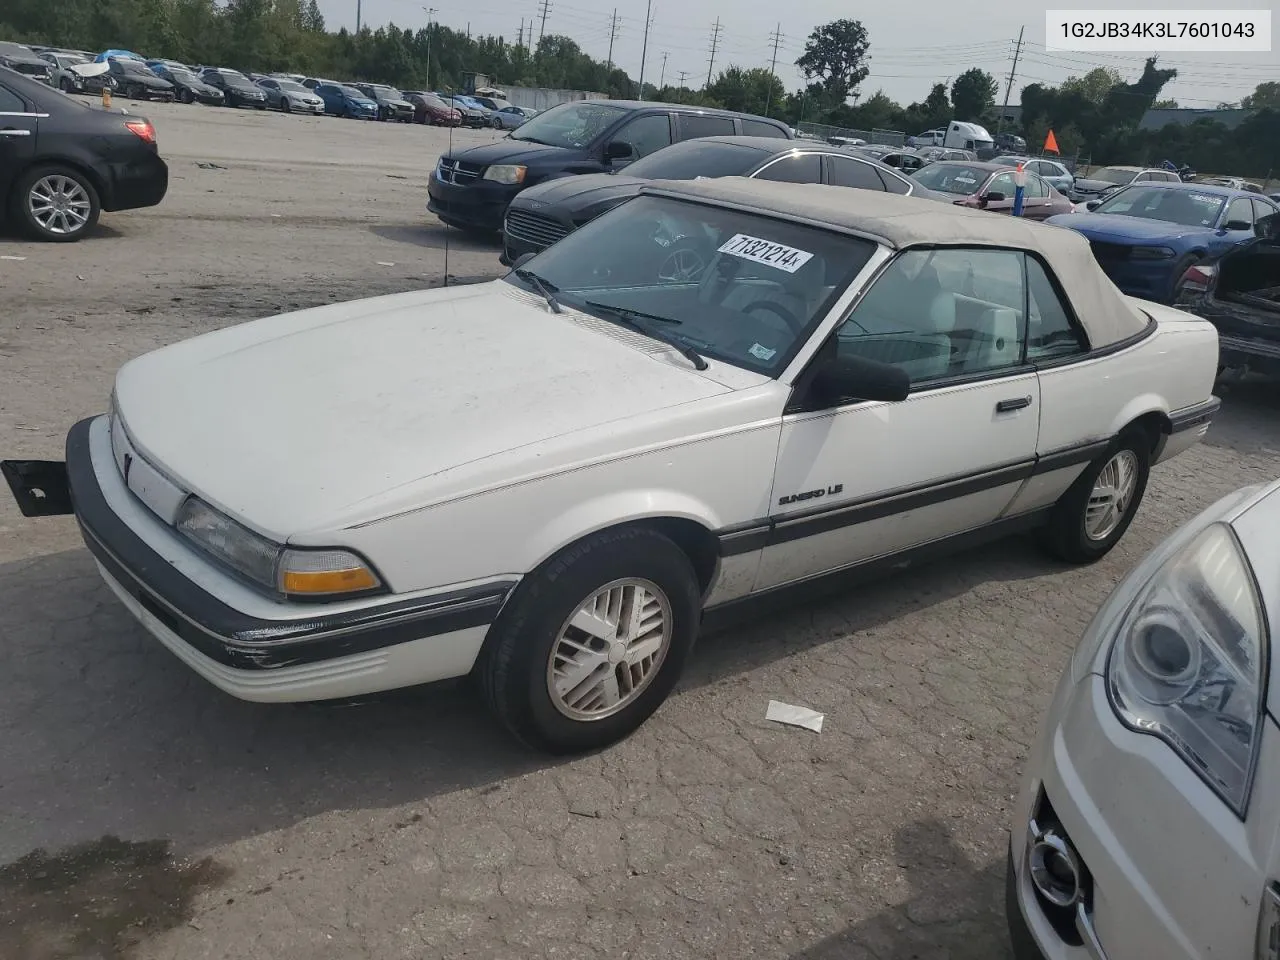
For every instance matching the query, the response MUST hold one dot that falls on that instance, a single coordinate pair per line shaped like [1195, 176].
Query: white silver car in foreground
[1146, 825]
[717, 390]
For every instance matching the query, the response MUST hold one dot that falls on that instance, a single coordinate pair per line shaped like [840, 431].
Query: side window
[893, 184]
[1262, 209]
[1002, 183]
[941, 313]
[10, 102]
[757, 128]
[271, 83]
[1240, 209]
[693, 125]
[646, 134]
[842, 172]
[1037, 189]
[801, 168]
[1035, 166]
[1049, 330]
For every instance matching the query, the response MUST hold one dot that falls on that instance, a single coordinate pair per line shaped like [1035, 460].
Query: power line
[715, 40]
[776, 37]
[546, 8]
[613, 32]
[644, 45]
[1013, 72]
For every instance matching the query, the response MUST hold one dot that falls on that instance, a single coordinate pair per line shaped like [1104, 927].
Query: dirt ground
[145, 815]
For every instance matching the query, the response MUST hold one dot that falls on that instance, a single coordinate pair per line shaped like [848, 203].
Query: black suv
[471, 189]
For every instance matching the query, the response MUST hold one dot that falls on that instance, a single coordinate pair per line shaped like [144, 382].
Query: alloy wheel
[59, 204]
[1111, 495]
[609, 651]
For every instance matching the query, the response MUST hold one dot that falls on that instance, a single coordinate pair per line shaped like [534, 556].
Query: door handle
[14, 132]
[1016, 403]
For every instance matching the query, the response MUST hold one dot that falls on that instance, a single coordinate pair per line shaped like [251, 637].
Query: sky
[914, 44]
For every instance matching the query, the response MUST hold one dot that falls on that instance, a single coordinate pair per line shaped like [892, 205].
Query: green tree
[1165, 105]
[1094, 85]
[751, 91]
[836, 54]
[973, 93]
[1264, 95]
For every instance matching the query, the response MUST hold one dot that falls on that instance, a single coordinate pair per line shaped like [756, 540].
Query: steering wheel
[778, 310]
[684, 263]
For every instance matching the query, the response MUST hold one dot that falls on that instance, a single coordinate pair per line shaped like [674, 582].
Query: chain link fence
[825, 131]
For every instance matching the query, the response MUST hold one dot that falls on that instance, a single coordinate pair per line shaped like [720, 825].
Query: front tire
[1095, 512]
[593, 641]
[186, 96]
[55, 203]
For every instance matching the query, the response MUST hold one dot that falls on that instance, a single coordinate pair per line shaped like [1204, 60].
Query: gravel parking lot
[143, 814]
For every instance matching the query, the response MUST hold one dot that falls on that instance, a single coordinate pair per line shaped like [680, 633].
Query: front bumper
[1171, 870]
[478, 205]
[263, 649]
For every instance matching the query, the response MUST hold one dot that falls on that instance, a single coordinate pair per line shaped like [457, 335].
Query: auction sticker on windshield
[776, 255]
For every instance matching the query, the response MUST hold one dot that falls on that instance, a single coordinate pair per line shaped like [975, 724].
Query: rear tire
[1092, 516]
[36, 216]
[527, 668]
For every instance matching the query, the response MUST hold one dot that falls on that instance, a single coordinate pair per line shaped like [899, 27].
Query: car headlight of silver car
[506, 173]
[1188, 662]
[298, 573]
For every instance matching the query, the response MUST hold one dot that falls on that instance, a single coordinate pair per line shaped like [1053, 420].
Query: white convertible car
[718, 390]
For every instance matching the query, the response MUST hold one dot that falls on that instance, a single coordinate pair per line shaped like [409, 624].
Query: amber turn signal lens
[328, 581]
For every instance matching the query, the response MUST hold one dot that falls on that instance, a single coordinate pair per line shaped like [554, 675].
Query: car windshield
[696, 158]
[292, 87]
[1187, 208]
[956, 178]
[1113, 175]
[435, 102]
[70, 60]
[185, 76]
[735, 286]
[387, 93]
[1008, 161]
[133, 66]
[353, 92]
[570, 124]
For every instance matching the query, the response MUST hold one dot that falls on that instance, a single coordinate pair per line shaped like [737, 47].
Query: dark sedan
[391, 102]
[430, 109]
[471, 116]
[188, 87]
[542, 214]
[22, 59]
[238, 89]
[135, 80]
[62, 163]
[990, 186]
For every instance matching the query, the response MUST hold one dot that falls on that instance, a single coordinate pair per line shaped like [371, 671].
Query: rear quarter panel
[1169, 370]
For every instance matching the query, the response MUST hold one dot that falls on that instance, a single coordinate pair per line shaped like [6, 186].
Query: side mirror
[844, 378]
[1237, 225]
[619, 150]
[1093, 205]
[992, 196]
[522, 260]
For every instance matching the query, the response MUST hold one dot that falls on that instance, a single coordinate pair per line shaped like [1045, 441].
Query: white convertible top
[900, 222]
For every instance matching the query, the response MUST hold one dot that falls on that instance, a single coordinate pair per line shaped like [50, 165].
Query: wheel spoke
[593, 624]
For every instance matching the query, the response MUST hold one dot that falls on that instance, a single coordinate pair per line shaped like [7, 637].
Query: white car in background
[1146, 823]
[713, 392]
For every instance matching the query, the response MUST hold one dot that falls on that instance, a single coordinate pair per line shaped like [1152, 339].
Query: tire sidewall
[531, 623]
[22, 210]
[1089, 549]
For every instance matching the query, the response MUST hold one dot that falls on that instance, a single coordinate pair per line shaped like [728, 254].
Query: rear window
[758, 128]
[692, 125]
[696, 158]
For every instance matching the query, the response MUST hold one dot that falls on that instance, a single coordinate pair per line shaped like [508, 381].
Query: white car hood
[288, 421]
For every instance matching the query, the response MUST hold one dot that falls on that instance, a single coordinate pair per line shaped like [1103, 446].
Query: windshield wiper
[543, 288]
[638, 320]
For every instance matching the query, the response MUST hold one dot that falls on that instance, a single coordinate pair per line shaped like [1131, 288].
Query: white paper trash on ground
[795, 716]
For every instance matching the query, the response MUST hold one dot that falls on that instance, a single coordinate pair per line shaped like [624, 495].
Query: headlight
[1188, 662]
[1153, 253]
[295, 572]
[505, 173]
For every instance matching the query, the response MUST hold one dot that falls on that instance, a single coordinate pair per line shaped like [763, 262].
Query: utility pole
[520, 35]
[715, 41]
[431, 11]
[644, 46]
[1017, 52]
[776, 37]
[662, 77]
[613, 32]
[357, 17]
[546, 8]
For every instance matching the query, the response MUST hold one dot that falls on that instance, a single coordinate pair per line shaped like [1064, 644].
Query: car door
[272, 90]
[857, 480]
[1236, 223]
[18, 128]
[1036, 203]
[645, 134]
[1001, 183]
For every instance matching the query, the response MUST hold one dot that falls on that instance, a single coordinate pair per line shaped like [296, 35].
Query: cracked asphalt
[145, 815]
